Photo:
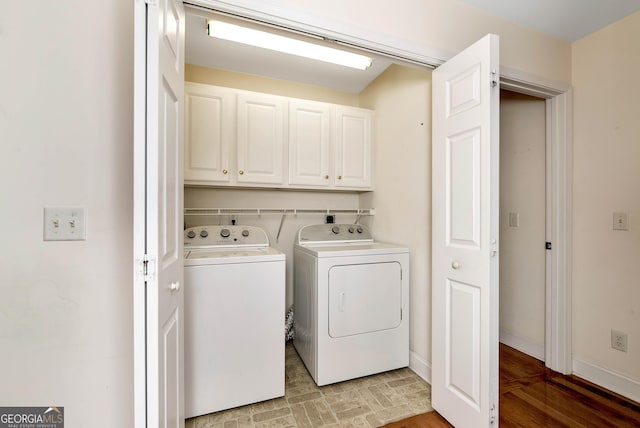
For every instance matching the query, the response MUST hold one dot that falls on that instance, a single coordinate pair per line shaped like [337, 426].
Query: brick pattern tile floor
[370, 401]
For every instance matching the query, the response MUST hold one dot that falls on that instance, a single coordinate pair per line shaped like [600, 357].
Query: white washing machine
[351, 302]
[234, 318]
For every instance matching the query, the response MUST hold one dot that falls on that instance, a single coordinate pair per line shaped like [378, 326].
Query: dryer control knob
[204, 233]
[225, 233]
[245, 232]
[191, 234]
[335, 229]
[351, 229]
[360, 229]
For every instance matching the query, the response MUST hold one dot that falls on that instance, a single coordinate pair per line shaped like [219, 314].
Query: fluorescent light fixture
[262, 39]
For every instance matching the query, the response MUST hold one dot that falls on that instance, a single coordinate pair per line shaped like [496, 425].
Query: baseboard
[616, 382]
[522, 345]
[420, 367]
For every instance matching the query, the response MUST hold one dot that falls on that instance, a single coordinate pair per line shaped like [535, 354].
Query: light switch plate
[65, 224]
[620, 221]
[514, 219]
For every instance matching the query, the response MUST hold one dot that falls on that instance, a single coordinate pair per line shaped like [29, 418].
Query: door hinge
[147, 268]
[400, 314]
[494, 78]
[547, 245]
[492, 414]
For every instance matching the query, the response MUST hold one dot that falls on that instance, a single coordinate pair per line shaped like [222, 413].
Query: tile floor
[371, 401]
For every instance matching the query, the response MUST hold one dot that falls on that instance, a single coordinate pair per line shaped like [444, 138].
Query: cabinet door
[353, 148]
[309, 143]
[260, 138]
[209, 133]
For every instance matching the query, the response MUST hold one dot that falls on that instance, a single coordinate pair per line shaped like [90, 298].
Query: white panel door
[353, 148]
[209, 133]
[465, 236]
[159, 167]
[260, 138]
[309, 143]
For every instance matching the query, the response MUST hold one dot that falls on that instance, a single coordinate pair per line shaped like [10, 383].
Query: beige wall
[212, 76]
[606, 263]
[401, 98]
[522, 192]
[66, 125]
[446, 25]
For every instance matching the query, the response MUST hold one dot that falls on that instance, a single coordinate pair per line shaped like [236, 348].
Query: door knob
[455, 265]
[175, 286]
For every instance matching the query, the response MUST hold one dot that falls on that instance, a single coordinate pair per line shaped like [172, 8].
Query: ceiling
[568, 20]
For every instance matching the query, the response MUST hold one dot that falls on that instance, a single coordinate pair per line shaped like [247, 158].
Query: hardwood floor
[533, 396]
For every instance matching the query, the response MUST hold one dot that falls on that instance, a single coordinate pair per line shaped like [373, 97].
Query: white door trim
[139, 215]
[559, 145]
[559, 163]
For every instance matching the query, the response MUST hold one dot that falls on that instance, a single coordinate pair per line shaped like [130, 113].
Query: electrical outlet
[619, 340]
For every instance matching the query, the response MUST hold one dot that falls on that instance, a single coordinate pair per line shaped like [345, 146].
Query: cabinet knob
[224, 171]
[326, 177]
[241, 172]
[339, 177]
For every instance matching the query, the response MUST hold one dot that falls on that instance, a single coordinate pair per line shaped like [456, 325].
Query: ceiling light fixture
[262, 39]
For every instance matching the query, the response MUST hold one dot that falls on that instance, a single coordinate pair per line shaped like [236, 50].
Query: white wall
[522, 192]
[606, 263]
[66, 129]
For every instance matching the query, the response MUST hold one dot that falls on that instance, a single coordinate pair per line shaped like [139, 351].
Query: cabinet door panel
[260, 138]
[209, 133]
[353, 148]
[309, 143]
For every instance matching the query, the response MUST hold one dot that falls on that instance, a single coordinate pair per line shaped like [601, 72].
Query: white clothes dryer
[351, 302]
[234, 318]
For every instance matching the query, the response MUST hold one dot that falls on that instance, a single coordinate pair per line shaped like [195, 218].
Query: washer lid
[212, 255]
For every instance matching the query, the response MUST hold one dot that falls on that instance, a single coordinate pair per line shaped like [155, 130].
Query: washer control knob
[191, 234]
[204, 233]
[245, 232]
[351, 229]
[335, 230]
[360, 229]
[225, 233]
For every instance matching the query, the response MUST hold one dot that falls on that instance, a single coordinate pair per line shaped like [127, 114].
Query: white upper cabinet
[353, 161]
[248, 139]
[210, 133]
[261, 138]
[309, 143]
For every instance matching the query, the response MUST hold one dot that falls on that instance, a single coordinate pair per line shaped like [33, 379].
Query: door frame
[558, 96]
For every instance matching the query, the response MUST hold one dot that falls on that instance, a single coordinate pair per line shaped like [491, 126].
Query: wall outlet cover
[620, 221]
